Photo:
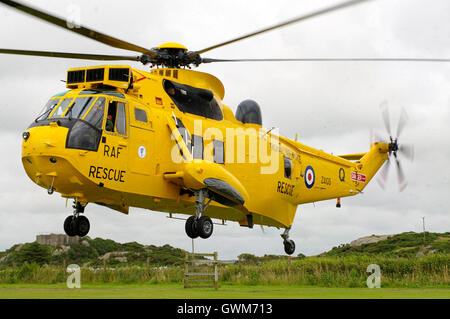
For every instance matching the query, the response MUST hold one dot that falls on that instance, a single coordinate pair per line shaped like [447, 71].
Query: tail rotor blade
[402, 122]
[407, 150]
[401, 177]
[384, 173]
[385, 116]
[381, 183]
[375, 137]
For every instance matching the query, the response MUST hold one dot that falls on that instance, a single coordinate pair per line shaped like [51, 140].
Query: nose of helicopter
[43, 157]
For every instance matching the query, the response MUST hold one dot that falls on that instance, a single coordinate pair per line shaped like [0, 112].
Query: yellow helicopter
[163, 140]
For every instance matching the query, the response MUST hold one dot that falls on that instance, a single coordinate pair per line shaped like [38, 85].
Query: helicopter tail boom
[370, 163]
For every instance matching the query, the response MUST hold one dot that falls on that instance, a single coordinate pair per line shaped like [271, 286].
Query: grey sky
[332, 106]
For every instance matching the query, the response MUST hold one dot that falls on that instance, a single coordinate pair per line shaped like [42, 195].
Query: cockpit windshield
[95, 115]
[79, 107]
[85, 134]
[61, 108]
[47, 109]
[83, 117]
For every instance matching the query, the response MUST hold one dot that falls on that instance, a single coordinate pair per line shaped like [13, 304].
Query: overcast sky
[331, 106]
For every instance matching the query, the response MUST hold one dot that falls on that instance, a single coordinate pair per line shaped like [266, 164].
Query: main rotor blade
[283, 24]
[92, 34]
[70, 55]
[211, 60]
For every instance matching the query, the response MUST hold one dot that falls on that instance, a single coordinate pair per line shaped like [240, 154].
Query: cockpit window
[47, 109]
[79, 107]
[61, 108]
[95, 115]
[86, 133]
[193, 100]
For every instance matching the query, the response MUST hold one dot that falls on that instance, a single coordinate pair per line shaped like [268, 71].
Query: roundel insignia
[142, 151]
[310, 177]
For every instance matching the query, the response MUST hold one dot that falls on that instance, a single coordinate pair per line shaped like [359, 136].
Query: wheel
[289, 246]
[205, 227]
[81, 225]
[69, 226]
[191, 227]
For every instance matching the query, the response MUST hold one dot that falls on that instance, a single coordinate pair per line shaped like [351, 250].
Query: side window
[111, 116]
[287, 167]
[121, 126]
[116, 118]
[219, 155]
[140, 115]
[193, 100]
[197, 146]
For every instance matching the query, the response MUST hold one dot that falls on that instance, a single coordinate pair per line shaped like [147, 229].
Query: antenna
[273, 127]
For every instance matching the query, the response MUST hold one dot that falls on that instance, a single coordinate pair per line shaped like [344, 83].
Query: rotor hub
[171, 55]
[393, 146]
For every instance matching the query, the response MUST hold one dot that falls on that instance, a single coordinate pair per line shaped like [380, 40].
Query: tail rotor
[395, 149]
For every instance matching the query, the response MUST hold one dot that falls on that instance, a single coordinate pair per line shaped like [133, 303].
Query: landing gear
[69, 226]
[191, 227]
[76, 225]
[205, 227]
[51, 189]
[289, 245]
[199, 225]
[82, 225]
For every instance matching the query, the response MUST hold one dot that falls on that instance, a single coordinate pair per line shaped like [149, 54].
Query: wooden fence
[201, 271]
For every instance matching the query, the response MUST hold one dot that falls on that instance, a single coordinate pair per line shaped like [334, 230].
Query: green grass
[177, 291]
[429, 271]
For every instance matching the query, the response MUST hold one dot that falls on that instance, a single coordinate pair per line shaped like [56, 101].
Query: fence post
[186, 269]
[289, 266]
[216, 274]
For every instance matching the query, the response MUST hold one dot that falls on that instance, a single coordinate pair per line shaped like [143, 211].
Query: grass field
[172, 291]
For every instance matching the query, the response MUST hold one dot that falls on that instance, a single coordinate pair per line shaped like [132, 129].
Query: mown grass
[176, 291]
[431, 271]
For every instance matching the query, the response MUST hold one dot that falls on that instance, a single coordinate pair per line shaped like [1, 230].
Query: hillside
[92, 252]
[408, 244]
[100, 252]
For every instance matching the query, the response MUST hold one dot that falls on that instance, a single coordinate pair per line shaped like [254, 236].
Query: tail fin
[370, 163]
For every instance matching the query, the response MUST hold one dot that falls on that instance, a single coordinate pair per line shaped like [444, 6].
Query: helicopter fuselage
[163, 146]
